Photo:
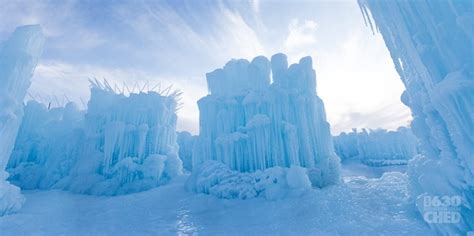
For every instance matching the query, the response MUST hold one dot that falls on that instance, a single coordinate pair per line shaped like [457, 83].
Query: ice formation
[130, 143]
[121, 144]
[253, 121]
[186, 143]
[47, 145]
[19, 56]
[431, 46]
[377, 147]
[274, 183]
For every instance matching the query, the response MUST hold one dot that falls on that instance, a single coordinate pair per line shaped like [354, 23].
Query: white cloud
[360, 86]
[256, 5]
[356, 78]
[51, 16]
[301, 36]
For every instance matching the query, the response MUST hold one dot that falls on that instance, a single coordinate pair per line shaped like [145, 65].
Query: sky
[176, 42]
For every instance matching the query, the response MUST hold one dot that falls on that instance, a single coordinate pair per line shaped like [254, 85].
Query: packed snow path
[360, 206]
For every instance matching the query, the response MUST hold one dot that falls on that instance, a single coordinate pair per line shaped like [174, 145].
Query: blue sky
[177, 42]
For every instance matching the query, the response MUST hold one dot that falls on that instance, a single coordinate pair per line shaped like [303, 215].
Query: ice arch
[430, 43]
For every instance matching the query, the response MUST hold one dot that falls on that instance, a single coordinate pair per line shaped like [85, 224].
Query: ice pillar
[18, 58]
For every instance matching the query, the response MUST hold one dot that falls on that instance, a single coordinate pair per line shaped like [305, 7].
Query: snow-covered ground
[359, 206]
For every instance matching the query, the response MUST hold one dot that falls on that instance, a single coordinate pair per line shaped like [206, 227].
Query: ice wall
[129, 143]
[431, 46]
[262, 114]
[19, 56]
[375, 146]
[186, 143]
[345, 145]
[121, 144]
[47, 145]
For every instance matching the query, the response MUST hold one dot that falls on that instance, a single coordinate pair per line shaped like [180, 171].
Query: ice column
[19, 56]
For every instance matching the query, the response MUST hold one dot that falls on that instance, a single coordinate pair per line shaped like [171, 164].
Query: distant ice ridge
[122, 144]
[431, 44]
[377, 147]
[19, 56]
[263, 114]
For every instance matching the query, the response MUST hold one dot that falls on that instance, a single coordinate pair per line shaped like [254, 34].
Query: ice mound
[274, 183]
[19, 56]
[263, 114]
[377, 147]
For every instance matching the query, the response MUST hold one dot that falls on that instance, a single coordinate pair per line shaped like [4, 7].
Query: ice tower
[262, 114]
[431, 46]
[19, 56]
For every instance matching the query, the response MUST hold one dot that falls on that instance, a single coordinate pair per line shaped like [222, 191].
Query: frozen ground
[359, 206]
[355, 168]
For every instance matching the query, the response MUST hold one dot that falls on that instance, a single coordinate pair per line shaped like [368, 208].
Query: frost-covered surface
[218, 179]
[121, 144]
[431, 46]
[353, 168]
[377, 147]
[19, 56]
[253, 121]
[360, 206]
[186, 144]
